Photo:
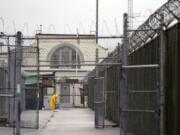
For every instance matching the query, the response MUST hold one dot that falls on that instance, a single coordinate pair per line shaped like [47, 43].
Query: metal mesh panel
[7, 85]
[143, 88]
[112, 87]
[173, 81]
[8, 61]
[30, 113]
[143, 102]
[91, 84]
[3, 92]
[99, 103]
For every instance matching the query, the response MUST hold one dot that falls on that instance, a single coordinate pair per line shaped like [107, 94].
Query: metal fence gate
[142, 88]
[14, 52]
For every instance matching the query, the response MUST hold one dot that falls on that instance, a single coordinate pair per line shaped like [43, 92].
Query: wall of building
[48, 47]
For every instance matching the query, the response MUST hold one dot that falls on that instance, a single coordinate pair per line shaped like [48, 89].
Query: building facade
[68, 57]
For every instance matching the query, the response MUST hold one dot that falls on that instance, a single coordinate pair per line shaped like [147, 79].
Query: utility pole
[130, 13]
[18, 81]
[97, 27]
[97, 67]
[97, 20]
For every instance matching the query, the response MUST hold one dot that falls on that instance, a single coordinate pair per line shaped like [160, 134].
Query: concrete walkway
[75, 122]
[71, 122]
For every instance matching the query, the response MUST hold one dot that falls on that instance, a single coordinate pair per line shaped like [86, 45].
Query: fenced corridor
[136, 86]
[75, 122]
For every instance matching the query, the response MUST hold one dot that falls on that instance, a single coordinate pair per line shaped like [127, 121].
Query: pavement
[69, 121]
[29, 118]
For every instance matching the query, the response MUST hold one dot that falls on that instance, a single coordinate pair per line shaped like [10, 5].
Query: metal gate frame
[15, 84]
[124, 92]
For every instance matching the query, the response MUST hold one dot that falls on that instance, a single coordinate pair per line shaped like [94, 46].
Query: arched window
[65, 55]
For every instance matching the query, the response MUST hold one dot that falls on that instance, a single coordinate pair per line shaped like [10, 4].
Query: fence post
[98, 94]
[97, 20]
[38, 85]
[97, 60]
[119, 76]
[162, 76]
[123, 91]
[18, 81]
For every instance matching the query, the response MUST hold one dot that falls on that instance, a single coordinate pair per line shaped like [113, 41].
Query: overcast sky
[65, 16]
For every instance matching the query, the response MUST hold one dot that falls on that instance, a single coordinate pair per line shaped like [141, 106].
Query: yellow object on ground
[53, 101]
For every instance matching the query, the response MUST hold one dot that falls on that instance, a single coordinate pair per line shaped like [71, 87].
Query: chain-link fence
[144, 95]
[30, 56]
[8, 82]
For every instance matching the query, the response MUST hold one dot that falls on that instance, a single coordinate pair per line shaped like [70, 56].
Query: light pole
[97, 20]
